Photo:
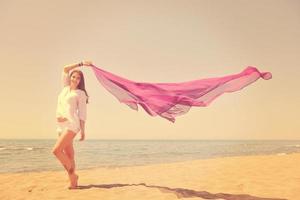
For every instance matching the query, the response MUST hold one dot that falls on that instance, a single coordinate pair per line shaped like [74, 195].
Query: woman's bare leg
[58, 150]
[69, 151]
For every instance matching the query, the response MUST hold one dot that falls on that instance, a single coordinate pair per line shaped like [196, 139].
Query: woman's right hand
[61, 119]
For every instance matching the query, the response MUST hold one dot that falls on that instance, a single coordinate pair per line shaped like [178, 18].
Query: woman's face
[75, 79]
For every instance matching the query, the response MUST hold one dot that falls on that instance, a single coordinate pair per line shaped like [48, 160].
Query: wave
[14, 148]
[294, 145]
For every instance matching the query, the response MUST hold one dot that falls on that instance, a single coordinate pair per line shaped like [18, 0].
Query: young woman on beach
[71, 117]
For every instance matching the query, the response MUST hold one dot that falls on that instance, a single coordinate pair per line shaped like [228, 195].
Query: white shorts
[62, 126]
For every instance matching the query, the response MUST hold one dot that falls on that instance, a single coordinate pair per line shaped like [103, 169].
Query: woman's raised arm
[68, 68]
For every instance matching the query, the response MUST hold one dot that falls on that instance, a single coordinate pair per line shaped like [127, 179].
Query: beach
[239, 177]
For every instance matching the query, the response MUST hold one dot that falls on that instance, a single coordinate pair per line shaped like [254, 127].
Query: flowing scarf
[169, 100]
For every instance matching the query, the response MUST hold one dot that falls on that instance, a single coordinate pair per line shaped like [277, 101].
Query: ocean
[35, 155]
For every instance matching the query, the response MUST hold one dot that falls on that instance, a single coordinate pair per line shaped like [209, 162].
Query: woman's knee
[56, 151]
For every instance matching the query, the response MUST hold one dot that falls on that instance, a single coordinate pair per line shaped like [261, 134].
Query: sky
[152, 41]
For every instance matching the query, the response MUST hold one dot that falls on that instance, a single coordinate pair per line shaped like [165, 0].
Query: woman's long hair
[81, 84]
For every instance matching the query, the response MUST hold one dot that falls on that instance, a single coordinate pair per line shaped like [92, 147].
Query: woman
[71, 117]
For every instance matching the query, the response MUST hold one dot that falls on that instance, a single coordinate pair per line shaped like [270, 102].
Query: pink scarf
[169, 100]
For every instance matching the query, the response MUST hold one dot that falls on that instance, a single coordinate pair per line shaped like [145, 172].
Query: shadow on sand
[184, 193]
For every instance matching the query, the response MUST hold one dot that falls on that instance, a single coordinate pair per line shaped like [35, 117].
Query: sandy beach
[240, 178]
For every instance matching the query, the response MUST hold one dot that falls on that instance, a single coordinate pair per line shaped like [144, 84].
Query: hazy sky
[152, 41]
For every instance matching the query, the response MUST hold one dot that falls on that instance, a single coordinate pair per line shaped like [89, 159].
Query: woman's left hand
[82, 136]
[87, 63]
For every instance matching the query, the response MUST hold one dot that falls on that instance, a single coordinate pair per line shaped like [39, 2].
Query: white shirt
[71, 104]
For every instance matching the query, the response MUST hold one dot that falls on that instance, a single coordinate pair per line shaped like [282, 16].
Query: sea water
[36, 155]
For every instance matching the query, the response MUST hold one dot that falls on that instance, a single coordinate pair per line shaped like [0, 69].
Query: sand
[238, 178]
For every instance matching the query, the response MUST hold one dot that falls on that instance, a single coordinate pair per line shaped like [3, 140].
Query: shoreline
[239, 177]
[147, 164]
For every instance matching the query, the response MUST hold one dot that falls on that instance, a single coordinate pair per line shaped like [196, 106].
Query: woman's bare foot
[73, 180]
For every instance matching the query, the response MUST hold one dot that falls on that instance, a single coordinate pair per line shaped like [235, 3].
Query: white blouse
[71, 104]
